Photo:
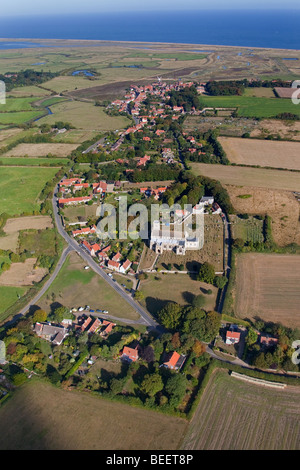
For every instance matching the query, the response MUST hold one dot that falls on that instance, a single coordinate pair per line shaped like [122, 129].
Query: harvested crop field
[245, 176]
[22, 274]
[14, 225]
[267, 287]
[281, 206]
[43, 417]
[41, 150]
[236, 415]
[262, 152]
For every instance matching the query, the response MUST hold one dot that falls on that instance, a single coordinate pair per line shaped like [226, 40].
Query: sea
[266, 29]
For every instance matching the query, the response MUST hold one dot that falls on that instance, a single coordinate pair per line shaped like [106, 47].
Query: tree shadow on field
[54, 306]
[33, 309]
[188, 297]
[193, 267]
[154, 305]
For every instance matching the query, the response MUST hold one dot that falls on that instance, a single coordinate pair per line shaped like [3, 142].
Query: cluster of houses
[56, 334]
[156, 193]
[101, 253]
[94, 325]
[172, 360]
[233, 336]
[71, 185]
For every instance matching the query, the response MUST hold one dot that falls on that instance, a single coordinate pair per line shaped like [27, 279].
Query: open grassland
[28, 92]
[267, 286]
[17, 118]
[262, 92]
[281, 206]
[20, 188]
[43, 417]
[8, 296]
[74, 287]
[262, 152]
[245, 176]
[17, 104]
[41, 150]
[249, 106]
[236, 415]
[161, 288]
[84, 116]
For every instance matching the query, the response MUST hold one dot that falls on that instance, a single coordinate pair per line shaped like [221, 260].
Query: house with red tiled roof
[173, 361]
[117, 257]
[125, 266]
[99, 188]
[113, 265]
[84, 231]
[142, 161]
[267, 341]
[74, 200]
[232, 337]
[92, 249]
[130, 354]
[108, 328]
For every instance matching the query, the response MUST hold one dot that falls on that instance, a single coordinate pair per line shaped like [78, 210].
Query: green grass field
[8, 296]
[32, 161]
[74, 287]
[84, 115]
[17, 104]
[251, 106]
[20, 188]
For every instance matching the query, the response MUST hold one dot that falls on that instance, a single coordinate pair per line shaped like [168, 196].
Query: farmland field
[178, 288]
[23, 274]
[267, 286]
[33, 161]
[281, 206]
[13, 226]
[41, 416]
[84, 115]
[8, 296]
[236, 415]
[262, 152]
[75, 287]
[249, 106]
[20, 188]
[245, 176]
[41, 150]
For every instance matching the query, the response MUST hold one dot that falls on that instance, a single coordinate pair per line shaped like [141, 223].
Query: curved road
[73, 245]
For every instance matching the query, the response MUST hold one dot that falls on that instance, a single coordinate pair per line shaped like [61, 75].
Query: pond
[85, 72]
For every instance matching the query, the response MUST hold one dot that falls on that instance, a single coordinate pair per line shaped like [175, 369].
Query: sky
[57, 7]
